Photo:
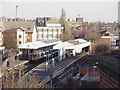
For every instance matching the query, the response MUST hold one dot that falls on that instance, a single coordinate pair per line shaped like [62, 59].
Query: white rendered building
[51, 31]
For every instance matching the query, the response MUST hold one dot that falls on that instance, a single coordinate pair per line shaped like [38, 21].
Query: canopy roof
[2, 48]
[62, 45]
[39, 44]
[76, 44]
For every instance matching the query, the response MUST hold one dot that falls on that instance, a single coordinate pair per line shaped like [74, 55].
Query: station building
[72, 47]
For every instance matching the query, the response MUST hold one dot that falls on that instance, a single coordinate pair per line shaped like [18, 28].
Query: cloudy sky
[90, 11]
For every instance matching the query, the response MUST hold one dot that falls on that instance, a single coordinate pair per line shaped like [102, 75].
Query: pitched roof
[39, 44]
[76, 44]
[102, 32]
[27, 25]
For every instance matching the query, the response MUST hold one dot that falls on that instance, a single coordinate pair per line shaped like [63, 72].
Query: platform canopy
[80, 40]
[2, 48]
[76, 45]
[39, 44]
[62, 45]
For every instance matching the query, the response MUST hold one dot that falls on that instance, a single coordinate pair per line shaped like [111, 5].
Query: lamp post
[53, 62]
[94, 67]
[17, 56]
[28, 52]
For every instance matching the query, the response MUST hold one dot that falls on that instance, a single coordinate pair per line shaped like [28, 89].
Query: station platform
[44, 70]
[14, 63]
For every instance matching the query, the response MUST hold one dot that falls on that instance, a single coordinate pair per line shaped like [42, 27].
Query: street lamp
[46, 65]
[96, 63]
[17, 56]
[53, 62]
[94, 67]
[28, 52]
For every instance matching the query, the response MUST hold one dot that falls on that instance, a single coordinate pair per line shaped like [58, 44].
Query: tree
[10, 79]
[77, 34]
[100, 47]
[9, 39]
[92, 36]
[66, 33]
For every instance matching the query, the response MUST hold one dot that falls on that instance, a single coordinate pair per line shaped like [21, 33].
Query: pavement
[13, 63]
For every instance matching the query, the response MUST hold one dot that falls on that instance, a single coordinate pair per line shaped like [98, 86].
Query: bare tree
[9, 39]
[10, 79]
[92, 36]
[66, 33]
[100, 47]
[78, 34]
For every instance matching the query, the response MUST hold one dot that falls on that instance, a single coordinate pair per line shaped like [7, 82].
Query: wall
[73, 24]
[34, 34]
[48, 32]
[21, 33]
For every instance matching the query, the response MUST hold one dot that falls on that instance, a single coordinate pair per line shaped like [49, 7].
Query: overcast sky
[90, 11]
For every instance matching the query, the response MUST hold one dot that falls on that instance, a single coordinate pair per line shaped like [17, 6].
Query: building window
[19, 36]
[42, 29]
[57, 30]
[28, 28]
[107, 34]
[28, 34]
[20, 42]
[45, 30]
[28, 40]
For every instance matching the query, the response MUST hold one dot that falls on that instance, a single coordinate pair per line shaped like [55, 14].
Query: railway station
[53, 48]
[69, 53]
[34, 51]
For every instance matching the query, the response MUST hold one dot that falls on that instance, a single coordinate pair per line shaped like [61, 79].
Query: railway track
[62, 70]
